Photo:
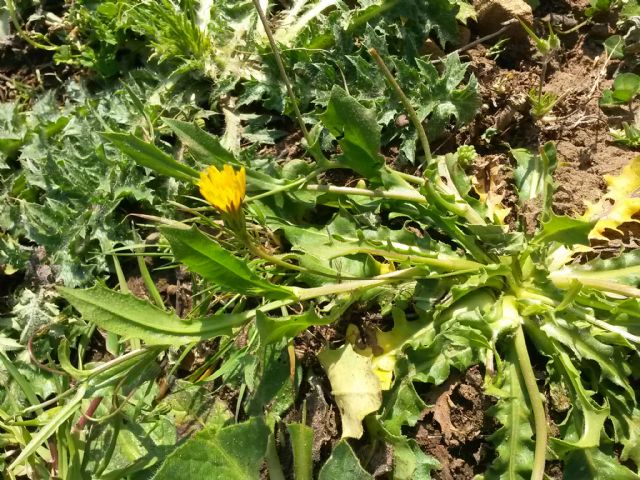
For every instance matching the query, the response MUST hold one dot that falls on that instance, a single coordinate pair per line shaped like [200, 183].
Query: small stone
[493, 13]
[431, 48]
[464, 36]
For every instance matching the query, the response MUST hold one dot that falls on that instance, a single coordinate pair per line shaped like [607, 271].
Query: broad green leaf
[343, 464]
[138, 446]
[234, 452]
[458, 347]
[150, 156]
[625, 87]
[404, 407]
[354, 385]
[619, 275]
[357, 131]
[614, 46]
[206, 257]
[132, 317]
[301, 437]
[564, 230]
[593, 464]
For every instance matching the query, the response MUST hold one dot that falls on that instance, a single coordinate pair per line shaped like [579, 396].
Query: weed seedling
[542, 103]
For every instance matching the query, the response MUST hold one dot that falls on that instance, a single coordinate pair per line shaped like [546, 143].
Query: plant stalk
[285, 78]
[539, 419]
[413, 116]
[408, 195]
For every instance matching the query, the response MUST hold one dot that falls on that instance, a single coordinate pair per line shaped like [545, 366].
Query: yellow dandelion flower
[224, 189]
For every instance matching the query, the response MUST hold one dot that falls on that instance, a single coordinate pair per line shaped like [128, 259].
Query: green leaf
[272, 330]
[625, 87]
[404, 406]
[343, 464]
[458, 347]
[411, 463]
[206, 257]
[587, 417]
[614, 46]
[62, 415]
[534, 175]
[619, 275]
[233, 452]
[357, 132]
[301, 438]
[150, 156]
[564, 230]
[513, 440]
[593, 464]
[275, 390]
[202, 145]
[132, 317]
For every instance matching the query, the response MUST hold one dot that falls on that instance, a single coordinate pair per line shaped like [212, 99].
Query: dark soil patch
[25, 70]
[455, 427]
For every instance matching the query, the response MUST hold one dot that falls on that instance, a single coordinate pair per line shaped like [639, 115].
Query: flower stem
[413, 116]
[315, 152]
[539, 419]
[407, 195]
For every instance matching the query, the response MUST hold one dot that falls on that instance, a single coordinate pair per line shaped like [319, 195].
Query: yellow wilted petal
[620, 204]
[489, 196]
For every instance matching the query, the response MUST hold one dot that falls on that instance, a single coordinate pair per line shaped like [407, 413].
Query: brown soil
[454, 428]
[25, 70]
[577, 125]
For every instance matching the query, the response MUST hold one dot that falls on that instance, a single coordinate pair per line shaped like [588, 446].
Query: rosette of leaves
[478, 290]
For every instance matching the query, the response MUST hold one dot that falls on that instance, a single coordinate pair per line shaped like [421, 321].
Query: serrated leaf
[233, 452]
[150, 156]
[354, 385]
[206, 257]
[204, 146]
[357, 131]
[404, 407]
[564, 230]
[343, 464]
[132, 317]
[587, 418]
[513, 441]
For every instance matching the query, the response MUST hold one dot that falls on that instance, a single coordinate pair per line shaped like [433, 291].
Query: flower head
[224, 189]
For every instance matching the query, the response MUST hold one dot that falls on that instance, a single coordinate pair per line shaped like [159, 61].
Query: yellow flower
[224, 189]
